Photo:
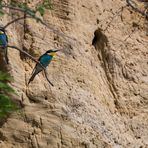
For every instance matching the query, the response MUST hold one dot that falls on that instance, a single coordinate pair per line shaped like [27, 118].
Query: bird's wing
[37, 65]
[35, 71]
[3, 39]
[6, 38]
[6, 55]
[41, 57]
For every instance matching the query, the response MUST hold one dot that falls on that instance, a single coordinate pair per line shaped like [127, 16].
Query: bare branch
[44, 69]
[15, 20]
[136, 9]
[114, 16]
[49, 26]
[17, 9]
[31, 57]
[136, 29]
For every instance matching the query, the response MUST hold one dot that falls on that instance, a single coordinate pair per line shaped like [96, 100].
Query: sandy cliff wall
[100, 96]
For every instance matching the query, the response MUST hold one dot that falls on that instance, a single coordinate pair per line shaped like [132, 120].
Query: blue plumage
[4, 43]
[3, 40]
[45, 60]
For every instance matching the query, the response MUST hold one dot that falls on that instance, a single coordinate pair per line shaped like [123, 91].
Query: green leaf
[47, 4]
[13, 3]
[1, 2]
[5, 87]
[41, 10]
[2, 114]
[7, 106]
[23, 6]
[1, 13]
[1, 7]
[5, 76]
[4, 100]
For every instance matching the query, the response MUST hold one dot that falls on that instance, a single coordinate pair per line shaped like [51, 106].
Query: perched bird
[45, 59]
[4, 43]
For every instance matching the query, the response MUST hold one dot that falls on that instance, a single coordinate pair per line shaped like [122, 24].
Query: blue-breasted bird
[45, 59]
[4, 43]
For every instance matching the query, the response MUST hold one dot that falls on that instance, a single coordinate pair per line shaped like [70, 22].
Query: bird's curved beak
[2, 29]
[53, 53]
[57, 50]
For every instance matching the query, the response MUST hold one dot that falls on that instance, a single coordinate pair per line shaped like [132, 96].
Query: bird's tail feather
[36, 70]
[6, 56]
[32, 78]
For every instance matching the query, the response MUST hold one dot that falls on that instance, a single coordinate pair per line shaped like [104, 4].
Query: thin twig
[15, 20]
[5, 12]
[136, 9]
[18, 9]
[49, 26]
[31, 57]
[45, 72]
[133, 30]
[114, 16]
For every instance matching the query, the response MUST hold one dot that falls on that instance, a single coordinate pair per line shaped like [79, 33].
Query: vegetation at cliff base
[7, 106]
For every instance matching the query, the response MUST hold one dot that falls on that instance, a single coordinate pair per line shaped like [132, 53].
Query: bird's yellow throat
[52, 53]
[1, 32]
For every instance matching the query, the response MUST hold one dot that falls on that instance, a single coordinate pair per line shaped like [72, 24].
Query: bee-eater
[4, 43]
[45, 59]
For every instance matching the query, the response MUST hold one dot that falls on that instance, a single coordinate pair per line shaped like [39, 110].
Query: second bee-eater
[4, 43]
[45, 59]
